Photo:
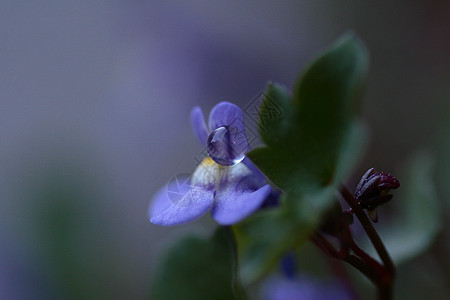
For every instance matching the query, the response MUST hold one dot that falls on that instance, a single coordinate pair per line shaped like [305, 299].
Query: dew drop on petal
[227, 146]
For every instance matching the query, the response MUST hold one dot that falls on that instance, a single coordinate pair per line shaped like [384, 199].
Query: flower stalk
[371, 192]
[386, 277]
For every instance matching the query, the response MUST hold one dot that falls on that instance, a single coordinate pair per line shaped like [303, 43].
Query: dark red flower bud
[373, 188]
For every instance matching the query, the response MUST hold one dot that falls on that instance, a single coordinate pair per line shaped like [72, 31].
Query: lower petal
[168, 194]
[231, 205]
[257, 178]
[188, 205]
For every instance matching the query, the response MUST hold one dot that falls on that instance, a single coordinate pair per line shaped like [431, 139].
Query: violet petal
[190, 206]
[231, 205]
[226, 114]
[257, 175]
[301, 288]
[199, 125]
[168, 194]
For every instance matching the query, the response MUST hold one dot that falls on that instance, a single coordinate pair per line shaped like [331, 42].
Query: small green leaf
[266, 236]
[196, 268]
[417, 216]
[262, 238]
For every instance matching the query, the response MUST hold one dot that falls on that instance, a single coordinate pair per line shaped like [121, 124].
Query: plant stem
[353, 260]
[362, 254]
[238, 288]
[370, 230]
[386, 279]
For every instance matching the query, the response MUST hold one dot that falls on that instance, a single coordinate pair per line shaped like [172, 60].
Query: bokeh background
[95, 99]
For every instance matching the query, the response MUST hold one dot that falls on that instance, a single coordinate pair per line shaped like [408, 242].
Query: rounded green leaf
[312, 142]
[196, 268]
[305, 142]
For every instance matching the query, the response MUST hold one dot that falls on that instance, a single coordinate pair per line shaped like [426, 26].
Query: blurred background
[95, 99]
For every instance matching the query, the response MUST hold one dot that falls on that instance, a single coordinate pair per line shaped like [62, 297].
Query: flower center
[213, 176]
[227, 145]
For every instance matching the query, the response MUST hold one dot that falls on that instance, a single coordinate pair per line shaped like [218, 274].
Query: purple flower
[301, 288]
[294, 286]
[225, 182]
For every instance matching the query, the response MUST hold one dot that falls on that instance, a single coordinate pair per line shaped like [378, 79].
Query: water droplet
[227, 146]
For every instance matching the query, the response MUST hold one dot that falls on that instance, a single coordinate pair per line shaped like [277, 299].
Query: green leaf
[262, 238]
[417, 217]
[312, 141]
[266, 236]
[196, 268]
[305, 141]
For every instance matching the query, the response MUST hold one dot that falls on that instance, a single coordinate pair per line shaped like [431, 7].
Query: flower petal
[301, 288]
[199, 125]
[191, 204]
[257, 176]
[279, 288]
[226, 114]
[168, 194]
[232, 205]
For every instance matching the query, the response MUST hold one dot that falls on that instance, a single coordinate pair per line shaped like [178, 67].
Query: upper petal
[226, 114]
[232, 204]
[190, 203]
[199, 125]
